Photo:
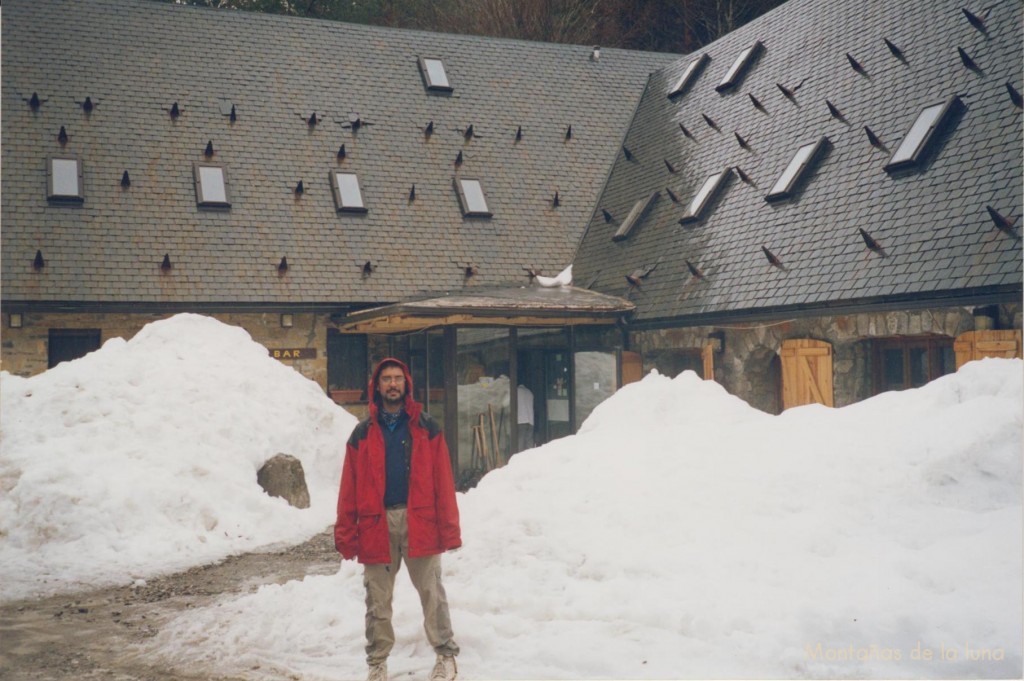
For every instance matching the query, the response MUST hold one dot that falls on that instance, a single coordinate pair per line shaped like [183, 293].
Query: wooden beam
[405, 323]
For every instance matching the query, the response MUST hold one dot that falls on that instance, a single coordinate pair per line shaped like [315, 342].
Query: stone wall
[748, 364]
[24, 351]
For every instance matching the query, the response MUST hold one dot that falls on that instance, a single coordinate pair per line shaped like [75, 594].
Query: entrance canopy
[517, 306]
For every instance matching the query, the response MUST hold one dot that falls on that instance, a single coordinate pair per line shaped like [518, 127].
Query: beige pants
[425, 574]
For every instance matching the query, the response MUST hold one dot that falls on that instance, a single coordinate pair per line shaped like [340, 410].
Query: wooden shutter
[806, 372]
[632, 367]
[707, 354]
[978, 344]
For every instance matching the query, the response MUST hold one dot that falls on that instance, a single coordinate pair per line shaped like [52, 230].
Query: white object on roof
[564, 278]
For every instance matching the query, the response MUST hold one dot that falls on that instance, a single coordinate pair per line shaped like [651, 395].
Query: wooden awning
[519, 306]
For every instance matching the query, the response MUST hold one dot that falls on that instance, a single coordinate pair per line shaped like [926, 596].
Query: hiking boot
[445, 669]
[378, 672]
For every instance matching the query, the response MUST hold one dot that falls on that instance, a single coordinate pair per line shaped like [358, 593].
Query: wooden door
[806, 372]
[632, 367]
[979, 344]
[707, 355]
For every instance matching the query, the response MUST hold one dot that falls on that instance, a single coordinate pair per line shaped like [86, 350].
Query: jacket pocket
[367, 537]
[424, 532]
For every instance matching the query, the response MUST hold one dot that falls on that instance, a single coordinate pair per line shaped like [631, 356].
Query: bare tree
[658, 25]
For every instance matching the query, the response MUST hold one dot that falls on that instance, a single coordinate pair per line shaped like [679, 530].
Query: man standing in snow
[397, 501]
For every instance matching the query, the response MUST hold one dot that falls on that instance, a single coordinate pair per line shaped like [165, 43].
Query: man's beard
[393, 402]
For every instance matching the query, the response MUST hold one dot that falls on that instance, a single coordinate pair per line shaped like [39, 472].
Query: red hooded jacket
[361, 530]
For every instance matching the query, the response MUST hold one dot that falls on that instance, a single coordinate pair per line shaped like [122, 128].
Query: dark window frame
[79, 196]
[64, 345]
[934, 347]
[352, 370]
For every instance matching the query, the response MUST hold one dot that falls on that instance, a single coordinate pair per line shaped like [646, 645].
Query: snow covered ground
[141, 458]
[680, 534]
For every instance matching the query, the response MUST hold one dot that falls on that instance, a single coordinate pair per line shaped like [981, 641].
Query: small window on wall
[471, 199]
[434, 74]
[347, 366]
[902, 363]
[67, 344]
[64, 181]
[211, 187]
[347, 196]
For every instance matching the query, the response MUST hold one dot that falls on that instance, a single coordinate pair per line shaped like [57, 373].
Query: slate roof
[134, 59]
[939, 240]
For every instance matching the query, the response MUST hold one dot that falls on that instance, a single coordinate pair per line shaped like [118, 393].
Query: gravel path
[89, 635]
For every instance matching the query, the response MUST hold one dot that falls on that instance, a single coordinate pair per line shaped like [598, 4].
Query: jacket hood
[412, 408]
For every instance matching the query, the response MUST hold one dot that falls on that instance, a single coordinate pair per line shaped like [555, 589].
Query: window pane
[65, 177]
[211, 180]
[738, 66]
[347, 359]
[474, 193]
[892, 367]
[689, 75]
[918, 367]
[435, 374]
[947, 361]
[436, 76]
[911, 144]
[700, 200]
[639, 208]
[348, 190]
[595, 378]
[483, 397]
[70, 344]
[785, 182]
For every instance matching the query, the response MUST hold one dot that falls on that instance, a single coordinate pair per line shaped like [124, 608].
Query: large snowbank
[141, 458]
[683, 534]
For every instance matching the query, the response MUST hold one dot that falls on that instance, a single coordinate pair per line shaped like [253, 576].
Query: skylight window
[693, 70]
[707, 192]
[739, 67]
[798, 170]
[639, 208]
[64, 180]
[211, 187]
[347, 196]
[919, 142]
[471, 199]
[434, 74]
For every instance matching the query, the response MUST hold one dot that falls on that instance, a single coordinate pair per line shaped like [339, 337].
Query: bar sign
[293, 353]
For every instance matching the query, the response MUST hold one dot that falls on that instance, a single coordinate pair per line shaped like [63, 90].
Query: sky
[680, 534]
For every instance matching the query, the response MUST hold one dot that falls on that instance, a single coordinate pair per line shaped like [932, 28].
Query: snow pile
[141, 458]
[683, 534]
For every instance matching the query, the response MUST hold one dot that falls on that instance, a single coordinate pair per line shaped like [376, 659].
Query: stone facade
[748, 364]
[25, 350]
